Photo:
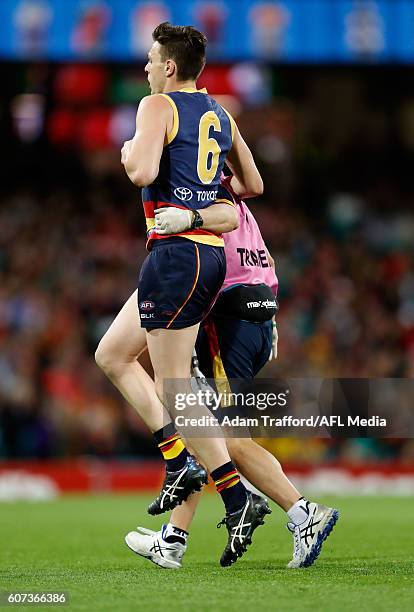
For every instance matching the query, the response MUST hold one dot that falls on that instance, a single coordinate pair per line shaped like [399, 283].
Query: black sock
[232, 491]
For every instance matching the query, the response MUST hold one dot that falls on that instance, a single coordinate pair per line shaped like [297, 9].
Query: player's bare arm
[141, 155]
[246, 181]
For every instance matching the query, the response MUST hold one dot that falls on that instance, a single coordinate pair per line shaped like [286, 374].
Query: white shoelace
[170, 489]
[238, 529]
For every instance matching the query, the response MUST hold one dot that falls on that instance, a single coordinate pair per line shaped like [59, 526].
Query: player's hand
[172, 220]
[125, 151]
[275, 339]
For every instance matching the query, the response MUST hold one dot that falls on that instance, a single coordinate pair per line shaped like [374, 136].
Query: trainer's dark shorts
[231, 352]
[179, 282]
[233, 348]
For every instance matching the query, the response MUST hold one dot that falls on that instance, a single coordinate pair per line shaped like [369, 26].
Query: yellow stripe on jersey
[232, 123]
[150, 223]
[193, 90]
[204, 239]
[176, 121]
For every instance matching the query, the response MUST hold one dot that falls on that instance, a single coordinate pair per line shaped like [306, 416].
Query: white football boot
[309, 535]
[152, 545]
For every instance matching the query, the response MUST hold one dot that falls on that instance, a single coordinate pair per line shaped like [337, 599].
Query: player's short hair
[185, 45]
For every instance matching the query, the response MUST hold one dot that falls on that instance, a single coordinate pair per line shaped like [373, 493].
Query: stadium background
[324, 95]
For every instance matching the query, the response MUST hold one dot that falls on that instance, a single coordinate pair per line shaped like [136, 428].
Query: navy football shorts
[231, 352]
[233, 348]
[179, 282]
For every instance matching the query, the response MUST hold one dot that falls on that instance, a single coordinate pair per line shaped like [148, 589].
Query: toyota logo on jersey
[183, 193]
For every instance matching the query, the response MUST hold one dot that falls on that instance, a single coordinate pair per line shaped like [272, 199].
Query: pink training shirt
[246, 254]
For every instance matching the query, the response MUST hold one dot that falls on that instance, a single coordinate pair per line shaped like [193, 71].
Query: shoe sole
[160, 562]
[197, 484]
[317, 547]
[262, 511]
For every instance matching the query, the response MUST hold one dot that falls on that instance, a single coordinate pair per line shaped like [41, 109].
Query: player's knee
[104, 358]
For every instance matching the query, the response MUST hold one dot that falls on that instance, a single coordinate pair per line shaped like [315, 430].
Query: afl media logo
[147, 305]
[183, 193]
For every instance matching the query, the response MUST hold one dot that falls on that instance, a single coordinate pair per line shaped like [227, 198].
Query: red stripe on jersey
[150, 206]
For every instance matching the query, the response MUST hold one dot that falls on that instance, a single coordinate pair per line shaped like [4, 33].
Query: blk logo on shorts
[147, 305]
[183, 193]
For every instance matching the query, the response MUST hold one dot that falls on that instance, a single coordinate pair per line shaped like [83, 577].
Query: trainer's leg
[256, 464]
[263, 470]
[244, 348]
[117, 355]
[182, 516]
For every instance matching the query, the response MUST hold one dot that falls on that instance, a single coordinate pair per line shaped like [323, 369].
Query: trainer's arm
[141, 155]
[246, 181]
[217, 218]
[270, 259]
[220, 218]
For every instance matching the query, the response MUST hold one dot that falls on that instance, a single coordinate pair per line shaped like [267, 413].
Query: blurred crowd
[336, 215]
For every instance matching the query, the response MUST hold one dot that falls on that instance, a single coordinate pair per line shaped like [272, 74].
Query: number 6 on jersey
[207, 146]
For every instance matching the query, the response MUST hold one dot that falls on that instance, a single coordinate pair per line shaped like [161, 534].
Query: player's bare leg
[117, 355]
[171, 353]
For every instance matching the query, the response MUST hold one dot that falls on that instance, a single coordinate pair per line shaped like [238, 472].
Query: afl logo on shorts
[183, 193]
[147, 305]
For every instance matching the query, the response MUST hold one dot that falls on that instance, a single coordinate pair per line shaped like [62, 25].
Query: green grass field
[75, 544]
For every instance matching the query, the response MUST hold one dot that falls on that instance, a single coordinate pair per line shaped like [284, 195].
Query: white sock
[299, 512]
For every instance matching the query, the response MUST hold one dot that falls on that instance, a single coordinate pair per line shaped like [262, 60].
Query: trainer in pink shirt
[246, 254]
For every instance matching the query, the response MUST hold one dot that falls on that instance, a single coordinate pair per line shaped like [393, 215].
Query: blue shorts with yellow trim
[179, 282]
[232, 348]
